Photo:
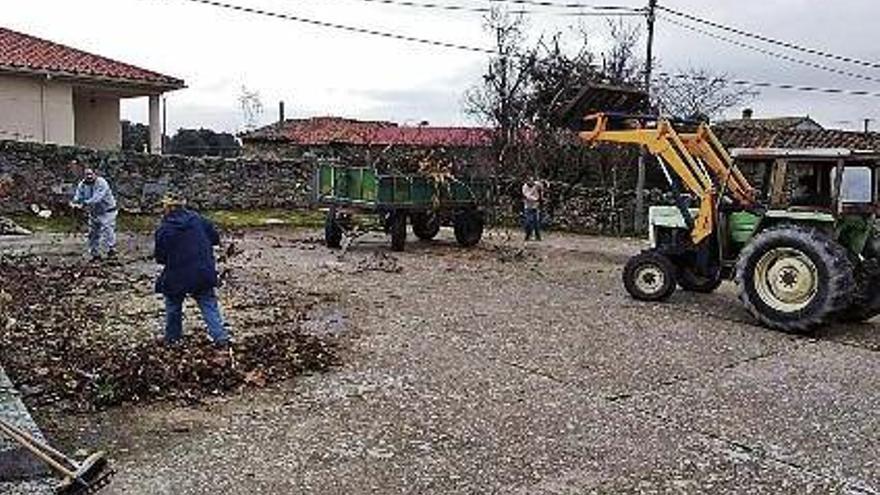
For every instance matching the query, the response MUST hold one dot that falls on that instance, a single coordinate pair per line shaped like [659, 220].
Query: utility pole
[639, 220]
[867, 125]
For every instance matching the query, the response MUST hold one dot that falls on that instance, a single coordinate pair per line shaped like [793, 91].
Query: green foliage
[203, 142]
[135, 137]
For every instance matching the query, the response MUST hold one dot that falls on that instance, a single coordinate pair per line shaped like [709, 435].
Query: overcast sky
[321, 71]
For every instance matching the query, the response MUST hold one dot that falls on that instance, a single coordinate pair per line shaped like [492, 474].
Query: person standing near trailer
[533, 195]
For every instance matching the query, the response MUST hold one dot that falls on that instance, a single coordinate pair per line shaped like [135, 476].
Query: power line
[769, 85]
[765, 39]
[601, 12]
[343, 27]
[572, 5]
[771, 53]
[457, 46]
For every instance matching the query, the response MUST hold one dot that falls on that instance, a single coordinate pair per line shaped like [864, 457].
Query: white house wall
[36, 109]
[97, 122]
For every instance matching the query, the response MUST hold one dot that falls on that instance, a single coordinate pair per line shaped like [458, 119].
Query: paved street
[497, 370]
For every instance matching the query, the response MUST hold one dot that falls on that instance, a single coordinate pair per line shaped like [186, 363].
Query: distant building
[52, 93]
[369, 142]
[748, 121]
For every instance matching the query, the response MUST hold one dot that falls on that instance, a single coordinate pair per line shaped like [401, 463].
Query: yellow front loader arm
[663, 142]
[705, 146]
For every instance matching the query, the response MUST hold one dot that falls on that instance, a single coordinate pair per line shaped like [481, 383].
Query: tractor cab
[830, 188]
[807, 179]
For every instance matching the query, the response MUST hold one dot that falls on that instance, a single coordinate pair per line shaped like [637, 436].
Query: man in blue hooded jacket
[185, 248]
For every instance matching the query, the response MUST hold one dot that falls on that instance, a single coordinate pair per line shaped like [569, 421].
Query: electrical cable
[572, 5]
[604, 12]
[769, 85]
[457, 46]
[343, 27]
[766, 39]
[770, 53]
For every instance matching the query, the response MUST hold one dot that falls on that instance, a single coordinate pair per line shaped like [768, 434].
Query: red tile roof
[24, 53]
[826, 138]
[318, 131]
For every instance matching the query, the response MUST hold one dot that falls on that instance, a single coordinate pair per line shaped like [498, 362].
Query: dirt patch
[62, 346]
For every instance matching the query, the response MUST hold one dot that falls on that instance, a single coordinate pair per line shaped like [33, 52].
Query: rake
[80, 478]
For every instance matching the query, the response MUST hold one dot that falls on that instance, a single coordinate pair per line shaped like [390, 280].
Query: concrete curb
[16, 462]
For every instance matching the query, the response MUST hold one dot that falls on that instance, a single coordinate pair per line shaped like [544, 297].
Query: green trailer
[427, 202]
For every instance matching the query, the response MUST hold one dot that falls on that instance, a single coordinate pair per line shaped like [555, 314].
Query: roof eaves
[170, 85]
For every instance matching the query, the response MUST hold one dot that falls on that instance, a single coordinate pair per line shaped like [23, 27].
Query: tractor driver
[807, 193]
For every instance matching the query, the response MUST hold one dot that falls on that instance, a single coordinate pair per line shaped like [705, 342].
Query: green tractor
[807, 254]
[802, 247]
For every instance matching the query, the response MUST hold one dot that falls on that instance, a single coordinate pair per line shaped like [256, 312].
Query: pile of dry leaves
[48, 345]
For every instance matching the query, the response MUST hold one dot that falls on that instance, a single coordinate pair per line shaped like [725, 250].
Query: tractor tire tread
[834, 257]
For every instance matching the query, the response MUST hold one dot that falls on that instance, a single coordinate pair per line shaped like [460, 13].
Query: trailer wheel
[332, 231]
[649, 276]
[425, 225]
[793, 278]
[397, 228]
[468, 227]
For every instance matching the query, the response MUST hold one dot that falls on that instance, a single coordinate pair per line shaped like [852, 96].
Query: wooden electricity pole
[639, 220]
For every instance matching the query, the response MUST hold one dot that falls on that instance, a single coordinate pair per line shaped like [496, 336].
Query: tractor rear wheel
[649, 276]
[425, 225]
[794, 278]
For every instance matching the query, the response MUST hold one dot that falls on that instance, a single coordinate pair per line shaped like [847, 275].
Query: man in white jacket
[94, 194]
[533, 195]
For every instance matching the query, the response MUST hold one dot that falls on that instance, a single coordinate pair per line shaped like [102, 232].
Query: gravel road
[512, 368]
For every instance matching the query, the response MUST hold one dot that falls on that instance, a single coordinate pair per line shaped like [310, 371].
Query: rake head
[92, 475]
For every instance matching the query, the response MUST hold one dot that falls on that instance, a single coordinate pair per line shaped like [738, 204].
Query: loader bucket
[600, 98]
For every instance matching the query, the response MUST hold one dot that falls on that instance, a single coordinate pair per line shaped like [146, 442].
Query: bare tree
[501, 100]
[620, 64]
[698, 93]
[251, 108]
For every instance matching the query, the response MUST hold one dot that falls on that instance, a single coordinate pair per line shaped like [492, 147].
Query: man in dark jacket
[185, 247]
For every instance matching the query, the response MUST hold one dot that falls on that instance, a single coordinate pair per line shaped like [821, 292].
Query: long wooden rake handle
[28, 442]
[60, 456]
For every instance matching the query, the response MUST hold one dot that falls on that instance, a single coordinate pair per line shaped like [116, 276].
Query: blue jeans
[533, 223]
[210, 308]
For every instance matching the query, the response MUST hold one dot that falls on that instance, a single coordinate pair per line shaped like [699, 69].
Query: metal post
[639, 220]
[164, 123]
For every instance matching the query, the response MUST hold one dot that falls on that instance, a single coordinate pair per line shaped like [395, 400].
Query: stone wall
[41, 174]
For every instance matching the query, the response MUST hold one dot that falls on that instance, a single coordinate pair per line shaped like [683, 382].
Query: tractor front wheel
[794, 278]
[649, 276]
